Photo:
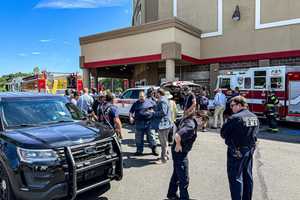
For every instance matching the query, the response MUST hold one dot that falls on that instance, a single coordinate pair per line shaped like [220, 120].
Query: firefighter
[271, 114]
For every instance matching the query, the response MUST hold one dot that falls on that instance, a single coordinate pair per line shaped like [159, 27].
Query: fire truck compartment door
[294, 98]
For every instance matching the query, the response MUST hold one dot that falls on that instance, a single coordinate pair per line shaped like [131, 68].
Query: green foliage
[7, 78]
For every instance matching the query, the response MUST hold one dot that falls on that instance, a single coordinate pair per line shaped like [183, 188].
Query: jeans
[180, 177]
[239, 171]
[163, 139]
[139, 138]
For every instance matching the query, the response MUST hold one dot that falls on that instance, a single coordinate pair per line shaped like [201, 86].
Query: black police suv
[48, 151]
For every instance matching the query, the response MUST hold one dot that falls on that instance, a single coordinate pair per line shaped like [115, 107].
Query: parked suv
[49, 152]
[131, 95]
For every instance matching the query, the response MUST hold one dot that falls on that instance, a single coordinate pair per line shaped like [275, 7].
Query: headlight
[33, 155]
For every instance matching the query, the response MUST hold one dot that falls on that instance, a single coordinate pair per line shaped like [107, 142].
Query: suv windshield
[35, 112]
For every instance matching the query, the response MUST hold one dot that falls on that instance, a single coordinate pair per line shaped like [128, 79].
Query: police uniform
[187, 130]
[272, 102]
[107, 112]
[239, 133]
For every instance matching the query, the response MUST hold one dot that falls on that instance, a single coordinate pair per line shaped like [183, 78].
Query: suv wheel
[5, 188]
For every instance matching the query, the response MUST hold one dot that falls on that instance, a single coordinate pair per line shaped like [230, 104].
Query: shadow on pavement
[95, 194]
[130, 160]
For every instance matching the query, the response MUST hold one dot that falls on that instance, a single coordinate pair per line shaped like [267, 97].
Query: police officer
[239, 133]
[190, 103]
[182, 145]
[142, 112]
[272, 102]
[109, 114]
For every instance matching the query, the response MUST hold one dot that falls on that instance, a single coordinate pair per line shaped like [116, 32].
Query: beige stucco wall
[143, 44]
[165, 9]
[201, 14]
[242, 38]
[131, 46]
[277, 10]
[190, 45]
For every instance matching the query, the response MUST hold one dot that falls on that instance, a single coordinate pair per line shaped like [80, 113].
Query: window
[276, 83]
[127, 94]
[135, 94]
[260, 79]
[224, 83]
[247, 83]
[35, 112]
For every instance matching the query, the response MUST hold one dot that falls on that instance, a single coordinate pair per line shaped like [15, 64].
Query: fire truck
[51, 82]
[256, 83]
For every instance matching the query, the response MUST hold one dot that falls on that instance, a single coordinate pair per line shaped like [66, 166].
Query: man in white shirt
[219, 103]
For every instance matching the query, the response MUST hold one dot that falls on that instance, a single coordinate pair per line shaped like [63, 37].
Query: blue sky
[46, 33]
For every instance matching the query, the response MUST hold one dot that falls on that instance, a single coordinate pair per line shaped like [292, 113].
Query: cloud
[22, 54]
[73, 4]
[45, 40]
[36, 53]
[67, 43]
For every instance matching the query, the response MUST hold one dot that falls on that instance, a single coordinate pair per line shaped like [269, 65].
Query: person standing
[239, 133]
[74, 98]
[109, 114]
[203, 112]
[173, 109]
[162, 117]
[229, 96]
[141, 113]
[272, 102]
[190, 103]
[183, 143]
[219, 103]
[236, 92]
[85, 102]
[152, 134]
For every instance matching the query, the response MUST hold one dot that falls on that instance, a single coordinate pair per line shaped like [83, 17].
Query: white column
[86, 78]
[170, 70]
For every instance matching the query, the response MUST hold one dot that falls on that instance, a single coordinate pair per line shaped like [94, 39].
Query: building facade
[195, 40]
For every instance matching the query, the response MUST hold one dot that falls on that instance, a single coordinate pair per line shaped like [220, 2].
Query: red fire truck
[255, 83]
[50, 82]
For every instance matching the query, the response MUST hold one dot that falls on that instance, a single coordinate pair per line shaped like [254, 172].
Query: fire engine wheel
[5, 188]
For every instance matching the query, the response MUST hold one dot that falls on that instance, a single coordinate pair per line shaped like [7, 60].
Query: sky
[45, 33]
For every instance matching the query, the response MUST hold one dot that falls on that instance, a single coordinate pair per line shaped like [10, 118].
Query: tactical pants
[180, 177]
[272, 121]
[239, 171]
[139, 138]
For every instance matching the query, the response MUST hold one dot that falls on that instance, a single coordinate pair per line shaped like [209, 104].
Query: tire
[6, 192]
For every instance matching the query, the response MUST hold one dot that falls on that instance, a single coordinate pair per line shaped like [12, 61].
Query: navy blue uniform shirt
[108, 112]
[241, 129]
[189, 101]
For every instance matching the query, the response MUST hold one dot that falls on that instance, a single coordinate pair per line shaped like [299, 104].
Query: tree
[7, 78]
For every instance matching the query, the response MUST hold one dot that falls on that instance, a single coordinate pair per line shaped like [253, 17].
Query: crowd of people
[154, 114]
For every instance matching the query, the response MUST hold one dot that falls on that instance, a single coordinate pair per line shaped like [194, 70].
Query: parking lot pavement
[276, 172]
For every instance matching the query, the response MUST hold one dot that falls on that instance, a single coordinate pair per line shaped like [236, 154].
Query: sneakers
[161, 162]
[154, 151]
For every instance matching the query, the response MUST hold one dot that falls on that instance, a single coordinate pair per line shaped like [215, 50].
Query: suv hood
[54, 136]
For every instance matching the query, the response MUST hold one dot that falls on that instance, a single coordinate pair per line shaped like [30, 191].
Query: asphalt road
[276, 170]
